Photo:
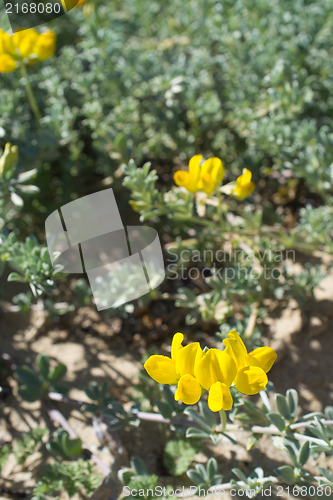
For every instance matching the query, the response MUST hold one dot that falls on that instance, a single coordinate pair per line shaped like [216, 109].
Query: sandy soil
[96, 348]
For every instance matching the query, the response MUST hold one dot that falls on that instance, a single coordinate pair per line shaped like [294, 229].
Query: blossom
[243, 186]
[45, 45]
[252, 367]
[179, 369]
[215, 372]
[203, 177]
[195, 371]
[8, 159]
[26, 46]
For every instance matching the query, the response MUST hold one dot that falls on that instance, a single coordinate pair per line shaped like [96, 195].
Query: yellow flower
[252, 367]
[179, 369]
[203, 177]
[215, 372]
[8, 159]
[24, 43]
[243, 186]
[25, 46]
[7, 63]
[45, 45]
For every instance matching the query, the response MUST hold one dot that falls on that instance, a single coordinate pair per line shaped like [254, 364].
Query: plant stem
[223, 418]
[196, 220]
[57, 417]
[256, 429]
[252, 321]
[30, 94]
[219, 208]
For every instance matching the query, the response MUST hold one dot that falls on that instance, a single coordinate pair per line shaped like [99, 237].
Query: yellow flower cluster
[201, 178]
[195, 371]
[208, 175]
[25, 47]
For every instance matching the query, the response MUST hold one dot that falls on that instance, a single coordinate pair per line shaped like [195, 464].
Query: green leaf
[43, 363]
[277, 420]
[5, 451]
[292, 399]
[16, 199]
[198, 419]
[125, 475]
[16, 277]
[165, 409]
[178, 454]
[252, 441]
[195, 476]
[169, 396]
[138, 466]
[327, 474]
[58, 373]
[54, 447]
[209, 416]
[240, 475]
[26, 176]
[28, 394]
[292, 454]
[93, 391]
[29, 377]
[30, 189]
[282, 406]
[211, 468]
[287, 474]
[304, 453]
[193, 432]
[71, 447]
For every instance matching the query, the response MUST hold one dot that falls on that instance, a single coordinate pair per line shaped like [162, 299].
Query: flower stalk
[30, 94]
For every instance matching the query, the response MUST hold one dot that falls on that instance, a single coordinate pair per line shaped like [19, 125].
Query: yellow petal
[176, 344]
[245, 178]
[188, 357]
[235, 347]
[214, 366]
[189, 390]
[183, 179]
[263, 357]
[219, 397]
[162, 369]
[251, 380]
[211, 174]
[244, 185]
[6, 43]
[206, 183]
[213, 167]
[24, 42]
[194, 167]
[45, 45]
[7, 63]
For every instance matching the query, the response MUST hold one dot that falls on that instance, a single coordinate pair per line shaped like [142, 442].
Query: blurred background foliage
[249, 82]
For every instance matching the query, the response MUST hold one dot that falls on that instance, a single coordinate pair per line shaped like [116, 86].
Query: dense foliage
[131, 94]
